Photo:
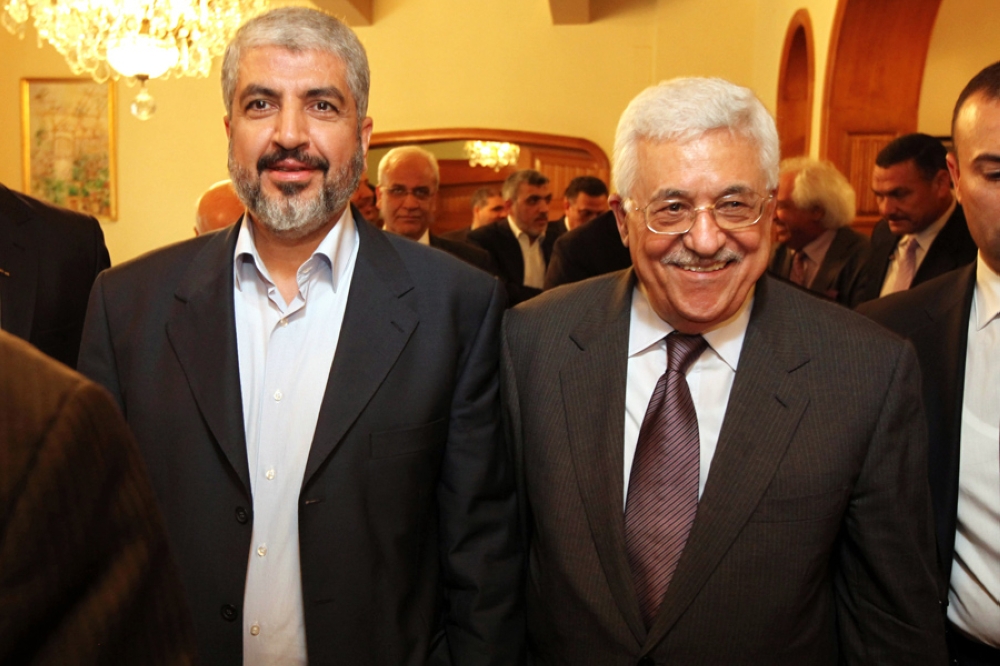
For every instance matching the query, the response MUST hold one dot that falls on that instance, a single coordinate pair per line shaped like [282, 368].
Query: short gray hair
[514, 181]
[682, 110]
[402, 152]
[299, 29]
[818, 183]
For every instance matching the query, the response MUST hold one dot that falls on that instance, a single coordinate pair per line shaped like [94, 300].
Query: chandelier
[492, 154]
[139, 39]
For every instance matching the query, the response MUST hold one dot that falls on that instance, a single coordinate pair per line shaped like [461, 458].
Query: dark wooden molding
[796, 81]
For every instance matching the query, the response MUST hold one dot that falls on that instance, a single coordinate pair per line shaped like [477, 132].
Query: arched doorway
[795, 87]
[874, 73]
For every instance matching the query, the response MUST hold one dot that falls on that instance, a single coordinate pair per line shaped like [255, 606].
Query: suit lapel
[202, 332]
[767, 401]
[19, 262]
[377, 325]
[595, 428]
[834, 260]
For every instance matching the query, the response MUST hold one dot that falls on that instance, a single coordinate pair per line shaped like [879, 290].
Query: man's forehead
[527, 190]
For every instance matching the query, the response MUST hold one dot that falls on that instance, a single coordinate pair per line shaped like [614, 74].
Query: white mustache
[685, 258]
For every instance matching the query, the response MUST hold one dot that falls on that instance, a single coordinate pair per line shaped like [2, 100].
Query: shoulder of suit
[942, 291]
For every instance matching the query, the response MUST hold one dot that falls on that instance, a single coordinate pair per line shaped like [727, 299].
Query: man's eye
[257, 105]
[730, 205]
[325, 107]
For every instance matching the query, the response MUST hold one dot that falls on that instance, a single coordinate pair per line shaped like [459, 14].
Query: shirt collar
[426, 238]
[987, 298]
[647, 329]
[335, 248]
[817, 248]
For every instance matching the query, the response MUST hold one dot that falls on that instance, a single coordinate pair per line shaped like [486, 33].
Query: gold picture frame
[68, 144]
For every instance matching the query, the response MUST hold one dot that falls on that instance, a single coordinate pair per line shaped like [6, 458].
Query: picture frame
[69, 157]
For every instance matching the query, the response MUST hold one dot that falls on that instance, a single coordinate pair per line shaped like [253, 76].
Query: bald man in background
[218, 207]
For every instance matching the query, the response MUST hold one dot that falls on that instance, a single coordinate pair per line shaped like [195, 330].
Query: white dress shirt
[285, 353]
[974, 594]
[710, 378]
[531, 252]
[924, 240]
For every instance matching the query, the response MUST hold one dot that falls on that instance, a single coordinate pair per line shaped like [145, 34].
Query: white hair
[402, 152]
[682, 110]
[818, 183]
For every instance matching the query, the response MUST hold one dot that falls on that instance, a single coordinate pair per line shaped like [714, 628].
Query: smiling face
[697, 280]
[296, 150]
[975, 168]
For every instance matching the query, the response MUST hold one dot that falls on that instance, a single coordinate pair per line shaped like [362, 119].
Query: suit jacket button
[242, 515]
[229, 613]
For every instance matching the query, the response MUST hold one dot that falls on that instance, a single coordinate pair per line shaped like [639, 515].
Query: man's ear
[955, 173]
[225, 121]
[617, 204]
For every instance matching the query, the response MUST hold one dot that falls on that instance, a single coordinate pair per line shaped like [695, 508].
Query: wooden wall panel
[874, 73]
[795, 87]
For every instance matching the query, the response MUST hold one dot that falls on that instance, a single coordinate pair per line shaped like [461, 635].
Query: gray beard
[290, 216]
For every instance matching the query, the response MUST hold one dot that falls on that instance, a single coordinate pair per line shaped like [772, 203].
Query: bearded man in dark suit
[521, 244]
[952, 321]
[317, 400]
[716, 468]
[49, 257]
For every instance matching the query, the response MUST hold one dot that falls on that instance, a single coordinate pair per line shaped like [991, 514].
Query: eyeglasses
[674, 217]
[401, 192]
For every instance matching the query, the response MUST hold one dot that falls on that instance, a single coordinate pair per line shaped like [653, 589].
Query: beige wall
[965, 39]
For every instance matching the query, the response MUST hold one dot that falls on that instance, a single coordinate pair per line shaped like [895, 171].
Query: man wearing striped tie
[715, 467]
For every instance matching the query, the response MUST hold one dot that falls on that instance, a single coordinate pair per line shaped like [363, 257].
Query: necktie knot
[683, 350]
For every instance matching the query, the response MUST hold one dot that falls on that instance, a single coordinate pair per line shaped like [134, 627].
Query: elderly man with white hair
[408, 181]
[817, 249]
[715, 467]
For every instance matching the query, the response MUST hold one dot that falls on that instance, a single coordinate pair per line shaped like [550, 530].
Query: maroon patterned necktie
[663, 486]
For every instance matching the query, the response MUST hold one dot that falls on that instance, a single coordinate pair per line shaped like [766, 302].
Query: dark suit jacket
[49, 257]
[594, 248]
[935, 318]
[467, 252]
[85, 573]
[407, 517]
[839, 270]
[499, 241]
[953, 247]
[813, 541]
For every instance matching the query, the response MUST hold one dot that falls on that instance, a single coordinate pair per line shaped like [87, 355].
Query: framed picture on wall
[68, 144]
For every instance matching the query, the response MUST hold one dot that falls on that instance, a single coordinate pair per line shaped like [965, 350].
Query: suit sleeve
[562, 268]
[889, 608]
[85, 572]
[481, 553]
[97, 356]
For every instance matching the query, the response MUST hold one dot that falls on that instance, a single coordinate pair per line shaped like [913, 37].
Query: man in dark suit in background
[521, 244]
[758, 498]
[594, 248]
[817, 249]
[922, 233]
[85, 573]
[952, 321]
[487, 207]
[408, 180]
[317, 400]
[585, 198]
[49, 257]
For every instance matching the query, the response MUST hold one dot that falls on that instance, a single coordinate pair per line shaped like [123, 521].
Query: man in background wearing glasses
[715, 467]
[409, 178]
